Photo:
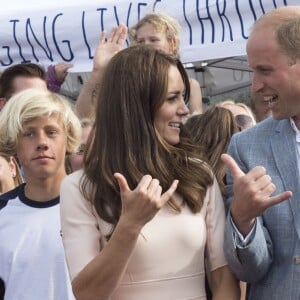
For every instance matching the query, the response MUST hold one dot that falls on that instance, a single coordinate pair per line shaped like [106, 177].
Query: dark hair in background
[8, 75]
[211, 132]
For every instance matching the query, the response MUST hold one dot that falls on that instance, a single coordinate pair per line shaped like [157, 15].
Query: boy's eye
[52, 132]
[29, 134]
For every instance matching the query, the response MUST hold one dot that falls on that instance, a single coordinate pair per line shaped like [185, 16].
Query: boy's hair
[7, 77]
[29, 105]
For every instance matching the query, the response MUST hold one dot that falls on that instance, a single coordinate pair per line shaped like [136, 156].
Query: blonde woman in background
[242, 113]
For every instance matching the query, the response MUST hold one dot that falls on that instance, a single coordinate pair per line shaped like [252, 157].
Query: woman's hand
[140, 205]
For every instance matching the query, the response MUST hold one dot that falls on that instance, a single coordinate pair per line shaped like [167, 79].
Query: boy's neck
[43, 189]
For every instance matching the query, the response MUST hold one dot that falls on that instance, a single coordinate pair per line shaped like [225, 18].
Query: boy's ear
[2, 103]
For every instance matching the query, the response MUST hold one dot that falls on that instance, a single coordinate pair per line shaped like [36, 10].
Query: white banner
[50, 31]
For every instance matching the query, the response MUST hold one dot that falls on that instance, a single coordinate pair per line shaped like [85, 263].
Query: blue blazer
[271, 262]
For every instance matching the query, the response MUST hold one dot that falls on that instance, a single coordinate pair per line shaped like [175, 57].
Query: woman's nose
[184, 110]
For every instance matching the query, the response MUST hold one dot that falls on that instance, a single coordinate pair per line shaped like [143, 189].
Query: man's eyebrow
[263, 67]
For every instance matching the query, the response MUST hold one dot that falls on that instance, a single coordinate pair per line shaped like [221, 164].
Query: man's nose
[257, 84]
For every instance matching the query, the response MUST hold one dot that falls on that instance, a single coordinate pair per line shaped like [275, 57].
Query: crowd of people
[135, 192]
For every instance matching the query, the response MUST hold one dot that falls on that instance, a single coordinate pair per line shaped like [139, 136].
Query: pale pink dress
[168, 260]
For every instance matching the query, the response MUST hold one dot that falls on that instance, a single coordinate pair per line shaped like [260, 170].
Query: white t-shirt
[32, 260]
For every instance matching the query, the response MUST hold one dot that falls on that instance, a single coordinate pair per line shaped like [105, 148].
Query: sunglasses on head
[243, 121]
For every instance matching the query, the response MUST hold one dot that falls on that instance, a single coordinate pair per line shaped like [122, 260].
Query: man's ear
[2, 103]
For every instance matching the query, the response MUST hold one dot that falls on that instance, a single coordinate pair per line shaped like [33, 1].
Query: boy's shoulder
[10, 195]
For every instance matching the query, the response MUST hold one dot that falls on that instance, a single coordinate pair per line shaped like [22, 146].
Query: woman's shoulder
[74, 177]
[71, 182]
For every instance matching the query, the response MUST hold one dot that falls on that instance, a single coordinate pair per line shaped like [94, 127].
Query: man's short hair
[26, 70]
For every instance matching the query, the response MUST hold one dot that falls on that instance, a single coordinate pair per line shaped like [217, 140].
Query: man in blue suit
[262, 235]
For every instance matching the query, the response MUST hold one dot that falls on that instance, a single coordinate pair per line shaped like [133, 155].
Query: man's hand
[251, 194]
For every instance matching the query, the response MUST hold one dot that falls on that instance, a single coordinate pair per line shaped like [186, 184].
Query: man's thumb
[233, 167]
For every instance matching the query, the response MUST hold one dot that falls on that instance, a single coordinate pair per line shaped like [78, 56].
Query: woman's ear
[13, 167]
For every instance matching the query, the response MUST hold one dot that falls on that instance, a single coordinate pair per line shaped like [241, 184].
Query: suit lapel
[285, 156]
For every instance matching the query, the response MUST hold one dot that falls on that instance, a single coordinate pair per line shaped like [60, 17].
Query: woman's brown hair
[134, 87]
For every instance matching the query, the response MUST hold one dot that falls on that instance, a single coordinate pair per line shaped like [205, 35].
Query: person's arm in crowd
[195, 101]
[105, 50]
[56, 75]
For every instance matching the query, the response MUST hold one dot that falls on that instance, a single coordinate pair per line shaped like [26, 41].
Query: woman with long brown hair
[142, 216]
